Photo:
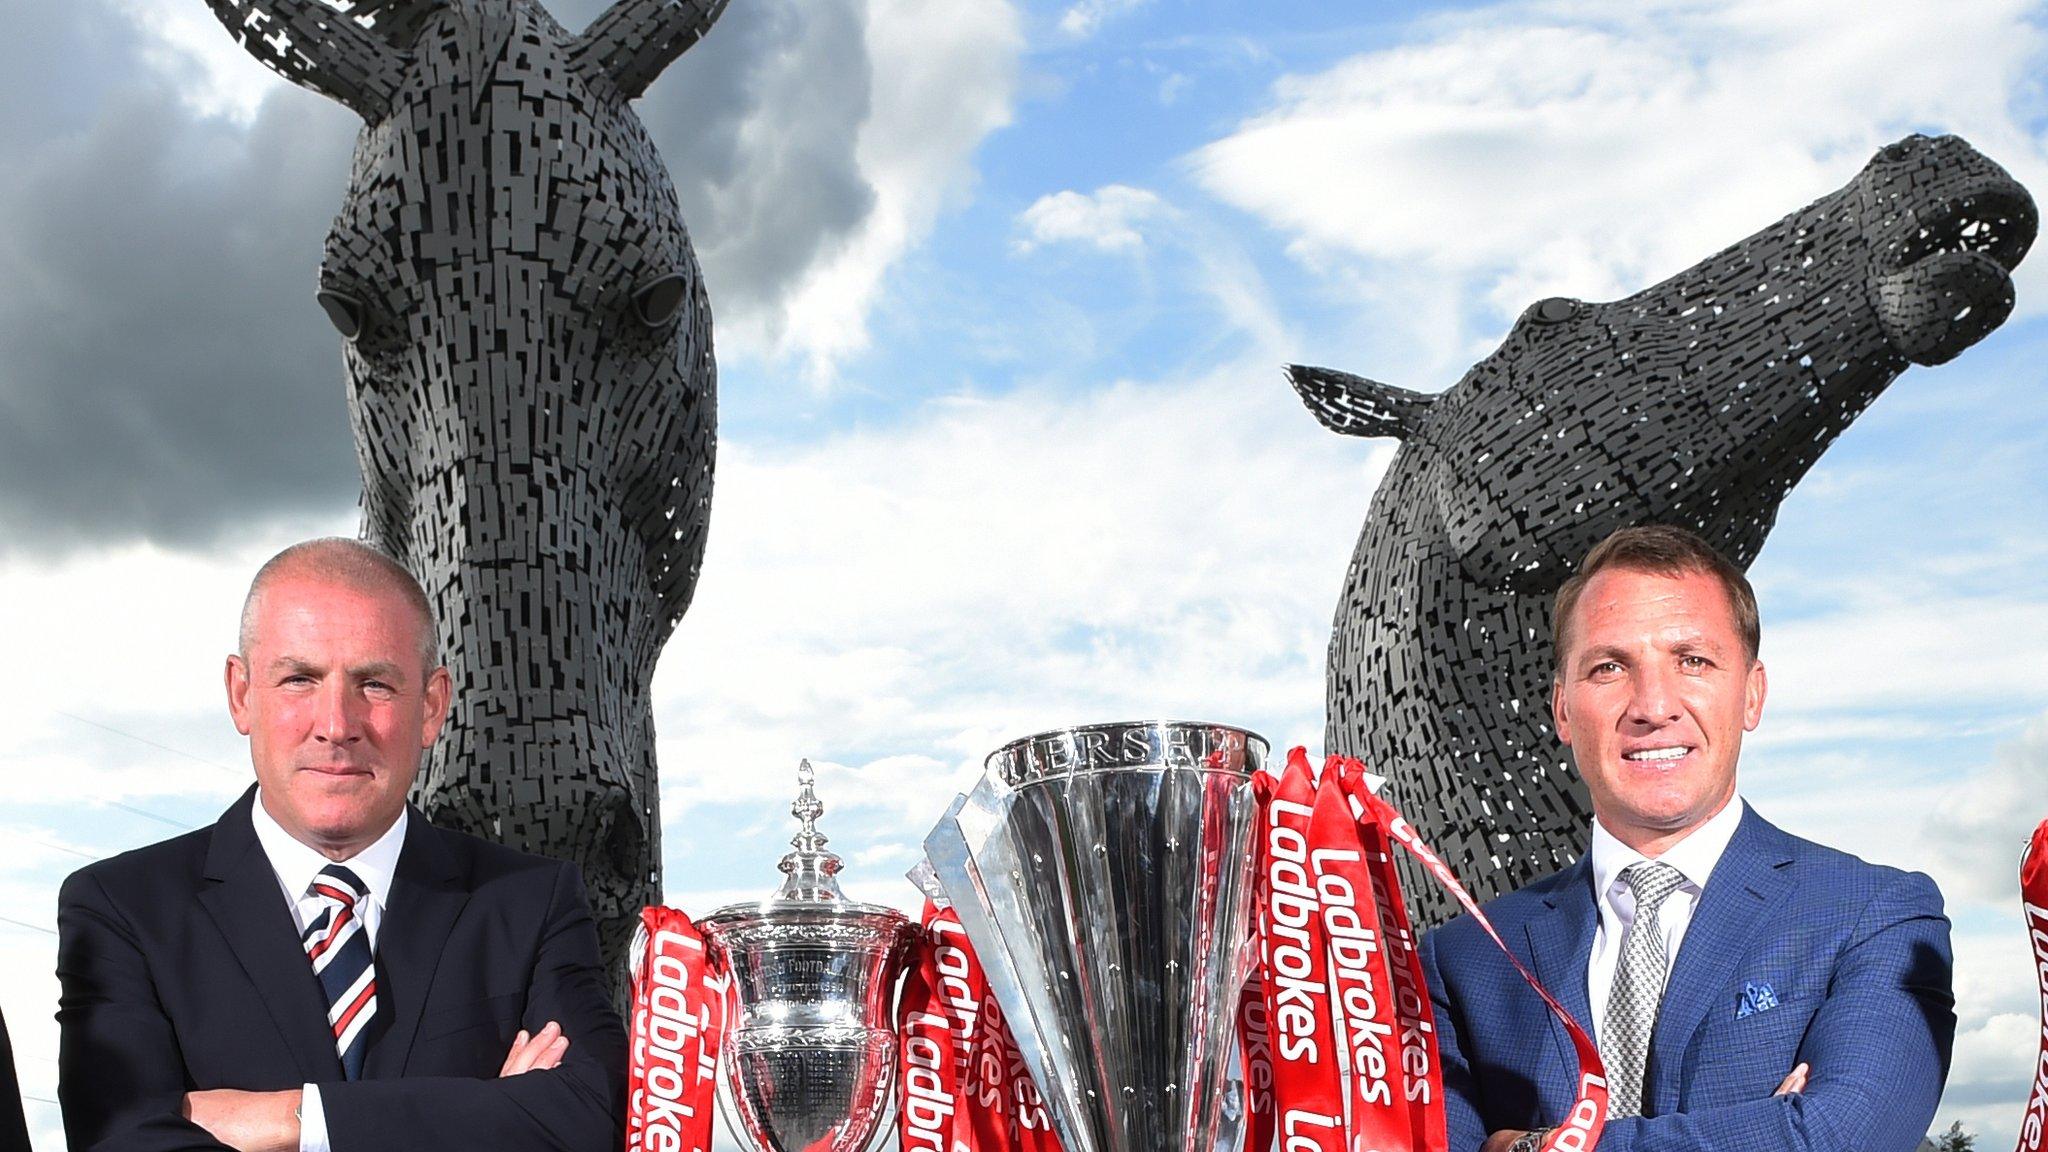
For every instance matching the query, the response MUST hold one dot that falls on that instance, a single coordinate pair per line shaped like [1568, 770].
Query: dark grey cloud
[164, 371]
[760, 123]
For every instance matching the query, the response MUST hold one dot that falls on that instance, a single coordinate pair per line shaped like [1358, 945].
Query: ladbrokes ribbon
[678, 1017]
[1341, 974]
[1415, 1024]
[1308, 1075]
[2034, 899]
[929, 1063]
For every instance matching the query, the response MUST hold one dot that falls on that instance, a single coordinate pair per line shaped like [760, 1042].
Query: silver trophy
[1104, 877]
[809, 1057]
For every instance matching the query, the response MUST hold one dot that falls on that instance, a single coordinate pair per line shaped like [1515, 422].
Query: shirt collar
[296, 864]
[1694, 856]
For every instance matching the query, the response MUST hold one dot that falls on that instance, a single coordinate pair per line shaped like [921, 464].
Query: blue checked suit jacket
[1855, 955]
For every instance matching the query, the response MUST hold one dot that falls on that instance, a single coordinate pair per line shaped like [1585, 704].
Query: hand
[1795, 1081]
[248, 1121]
[1502, 1140]
[536, 1053]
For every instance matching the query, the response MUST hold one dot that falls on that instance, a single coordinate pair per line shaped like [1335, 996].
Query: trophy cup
[1104, 876]
[810, 1044]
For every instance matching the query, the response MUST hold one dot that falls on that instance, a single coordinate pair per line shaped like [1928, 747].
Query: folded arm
[578, 1104]
[120, 1074]
[1878, 1048]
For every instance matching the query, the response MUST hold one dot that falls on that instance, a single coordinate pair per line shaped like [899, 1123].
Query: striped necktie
[339, 948]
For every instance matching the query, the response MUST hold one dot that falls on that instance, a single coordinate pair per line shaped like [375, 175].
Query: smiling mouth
[1658, 755]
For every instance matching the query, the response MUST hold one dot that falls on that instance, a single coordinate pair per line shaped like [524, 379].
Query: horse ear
[1356, 406]
[635, 39]
[318, 47]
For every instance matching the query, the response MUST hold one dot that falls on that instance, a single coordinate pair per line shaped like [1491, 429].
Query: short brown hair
[1663, 550]
[352, 564]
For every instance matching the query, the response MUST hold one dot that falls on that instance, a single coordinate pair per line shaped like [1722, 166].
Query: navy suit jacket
[181, 969]
[1856, 955]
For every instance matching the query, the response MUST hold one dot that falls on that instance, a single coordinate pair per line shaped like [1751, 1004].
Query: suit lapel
[1560, 943]
[1748, 880]
[428, 892]
[251, 913]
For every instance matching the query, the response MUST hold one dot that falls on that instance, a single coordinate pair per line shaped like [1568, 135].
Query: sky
[1002, 293]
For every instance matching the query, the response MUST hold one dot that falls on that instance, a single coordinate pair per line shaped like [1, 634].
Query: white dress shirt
[296, 865]
[1694, 857]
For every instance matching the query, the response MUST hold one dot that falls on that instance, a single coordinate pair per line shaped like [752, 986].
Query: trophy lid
[810, 871]
[810, 877]
[1156, 744]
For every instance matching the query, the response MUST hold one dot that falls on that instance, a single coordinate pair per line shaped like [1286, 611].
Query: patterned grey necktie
[1638, 988]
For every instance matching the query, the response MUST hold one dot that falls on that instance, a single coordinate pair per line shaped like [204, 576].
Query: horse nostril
[656, 301]
[623, 834]
[345, 310]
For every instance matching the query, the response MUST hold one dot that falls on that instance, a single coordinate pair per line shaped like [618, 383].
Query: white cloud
[1108, 218]
[1984, 820]
[1087, 17]
[943, 76]
[997, 566]
[1591, 147]
[1901, 656]
[189, 45]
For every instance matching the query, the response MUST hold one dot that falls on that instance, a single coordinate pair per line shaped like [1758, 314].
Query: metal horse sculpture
[531, 386]
[1698, 402]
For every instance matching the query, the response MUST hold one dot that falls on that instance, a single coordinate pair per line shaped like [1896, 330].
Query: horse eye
[346, 311]
[656, 301]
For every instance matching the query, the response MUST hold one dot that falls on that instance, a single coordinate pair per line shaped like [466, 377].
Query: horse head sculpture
[531, 387]
[1697, 402]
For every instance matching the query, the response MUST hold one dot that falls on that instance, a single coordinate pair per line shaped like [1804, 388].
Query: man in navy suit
[1748, 990]
[321, 968]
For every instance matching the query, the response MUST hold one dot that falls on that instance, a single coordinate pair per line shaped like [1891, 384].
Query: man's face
[337, 708]
[1653, 698]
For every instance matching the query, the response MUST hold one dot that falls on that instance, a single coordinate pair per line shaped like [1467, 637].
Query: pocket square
[1756, 998]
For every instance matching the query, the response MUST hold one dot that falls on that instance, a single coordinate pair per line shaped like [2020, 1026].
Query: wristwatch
[1530, 1141]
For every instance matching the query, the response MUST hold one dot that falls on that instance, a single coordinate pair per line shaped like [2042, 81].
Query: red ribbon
[963, 1084]
[1294, 954]
[928, 1058]
[678, 1021]
[1415, 1023]
[1341, 973]
[2034, 900]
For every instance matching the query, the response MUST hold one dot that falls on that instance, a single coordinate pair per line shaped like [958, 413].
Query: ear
[635, 39]
[319, 48]
[435, 713]
[236, 676]
[1753, 696]
[1356, 406]
[1560, 719]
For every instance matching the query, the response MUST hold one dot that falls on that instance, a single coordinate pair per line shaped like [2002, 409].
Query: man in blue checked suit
[321, 970]
[1748, 990]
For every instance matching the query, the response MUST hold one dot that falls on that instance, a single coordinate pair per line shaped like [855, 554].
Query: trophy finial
[811, 871]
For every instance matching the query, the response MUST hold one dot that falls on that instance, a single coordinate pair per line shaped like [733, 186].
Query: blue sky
[1003, 292]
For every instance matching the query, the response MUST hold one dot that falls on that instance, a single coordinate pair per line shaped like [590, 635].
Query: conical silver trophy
[1104, 877]
[809, 1057]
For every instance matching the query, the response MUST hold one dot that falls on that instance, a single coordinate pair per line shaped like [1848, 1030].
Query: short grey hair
[352, 564]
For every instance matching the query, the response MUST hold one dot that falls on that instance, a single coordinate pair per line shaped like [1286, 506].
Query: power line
[179, 824]
[50, 846]
[146, 740]
[27, 925]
